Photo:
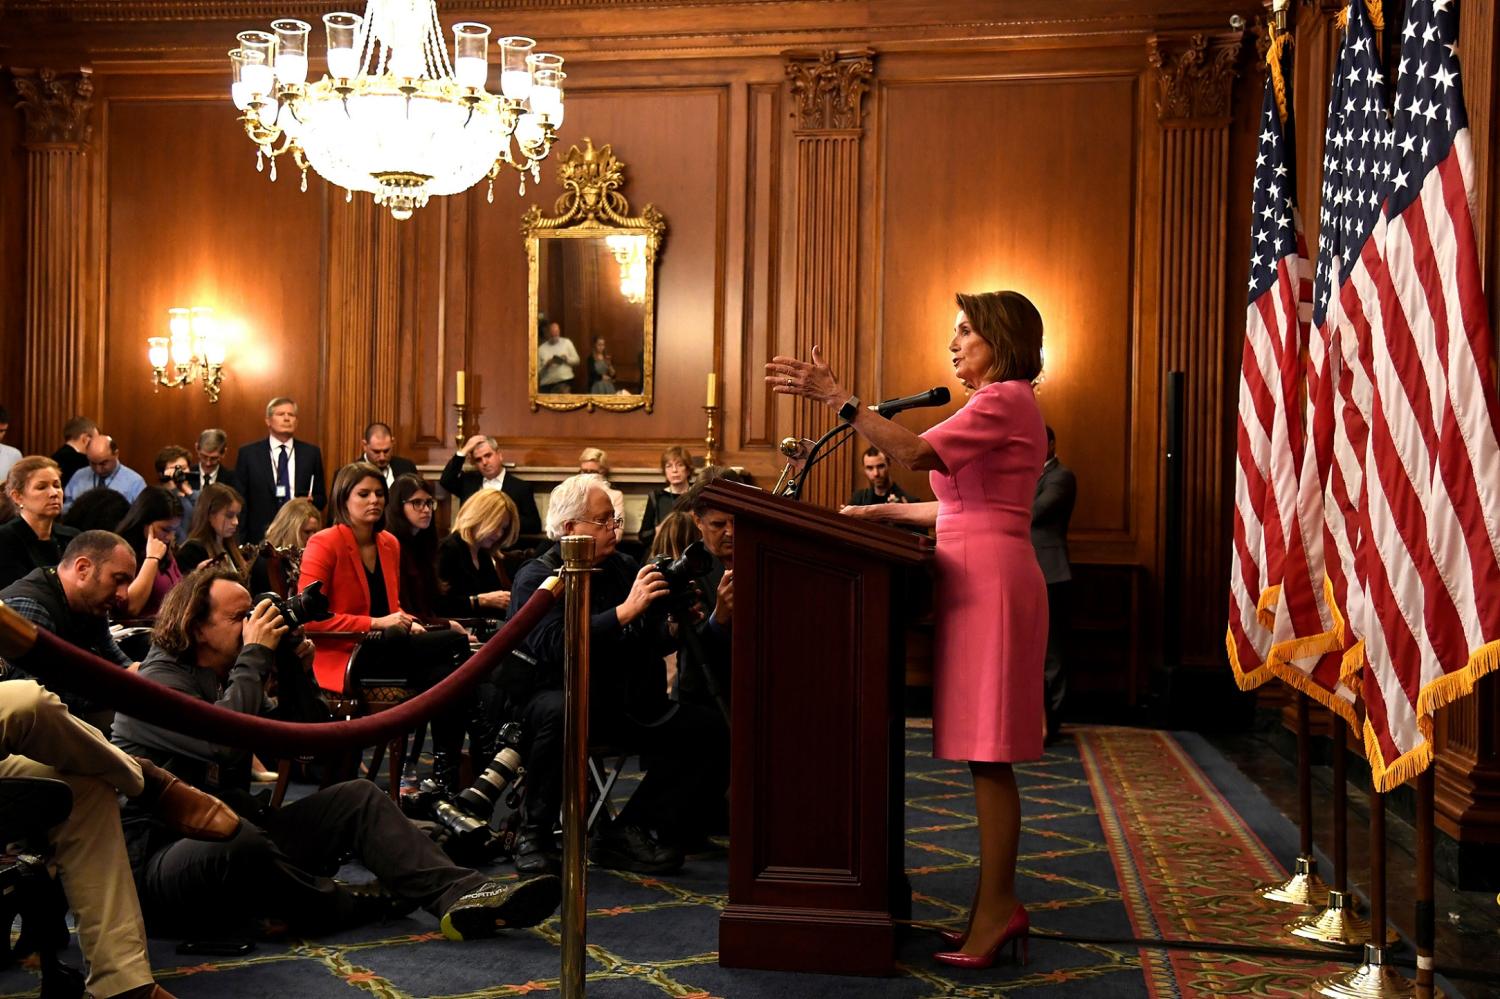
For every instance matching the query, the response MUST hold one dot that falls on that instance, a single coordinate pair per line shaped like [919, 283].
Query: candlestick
[460, 397]
[712, 393]
[462, 411]
[709, 458]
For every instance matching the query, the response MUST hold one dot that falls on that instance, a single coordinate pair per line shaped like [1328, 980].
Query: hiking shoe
[502, 905]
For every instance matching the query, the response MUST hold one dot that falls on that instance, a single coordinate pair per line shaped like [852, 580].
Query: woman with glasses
[473, 579]
[408, 518]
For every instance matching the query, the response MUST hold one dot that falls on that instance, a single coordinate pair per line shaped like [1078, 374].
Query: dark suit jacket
[69, 461]
[226, 477]
[1051, 510]
[465, 484]
[403, 466]
[258, 483]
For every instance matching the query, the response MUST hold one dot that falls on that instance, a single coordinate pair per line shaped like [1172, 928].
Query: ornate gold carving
[593, 207]
[1195, 73]
[56, 105]
[829, 87]
[591, 180]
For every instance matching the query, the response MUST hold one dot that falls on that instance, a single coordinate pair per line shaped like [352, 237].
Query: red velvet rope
[134, 695]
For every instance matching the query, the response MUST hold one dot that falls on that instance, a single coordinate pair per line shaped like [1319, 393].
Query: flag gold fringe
[1353, 664]
[1432, 698]
[1302, 683]
[1341, 20]
[1374, 10]
[1243, 678]
[1265, 607]
[1340, 627]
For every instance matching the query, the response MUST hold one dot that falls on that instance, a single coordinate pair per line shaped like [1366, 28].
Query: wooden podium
[816, 878]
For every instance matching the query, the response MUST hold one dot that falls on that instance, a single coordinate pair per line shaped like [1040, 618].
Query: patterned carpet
[1124, 837]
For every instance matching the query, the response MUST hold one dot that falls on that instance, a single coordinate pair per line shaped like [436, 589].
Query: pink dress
[991, 598]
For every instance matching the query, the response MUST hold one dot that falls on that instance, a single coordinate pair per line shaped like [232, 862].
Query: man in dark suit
[211, 469]
[277, 468]
[380, 451]
[490, 473]
[1051, 509]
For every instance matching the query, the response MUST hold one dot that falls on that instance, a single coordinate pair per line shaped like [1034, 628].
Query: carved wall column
[1195, 76]
[828, 89]
[363, 366]
[59, 340]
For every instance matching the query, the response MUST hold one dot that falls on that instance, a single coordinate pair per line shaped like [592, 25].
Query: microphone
[932, 397]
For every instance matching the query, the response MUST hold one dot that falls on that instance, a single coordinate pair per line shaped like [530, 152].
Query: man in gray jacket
[1051, 509]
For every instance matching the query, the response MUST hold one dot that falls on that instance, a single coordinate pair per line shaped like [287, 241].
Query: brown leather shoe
[193, 813]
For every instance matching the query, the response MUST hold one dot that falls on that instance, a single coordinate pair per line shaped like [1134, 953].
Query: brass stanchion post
[1304, 887]
[578, 565]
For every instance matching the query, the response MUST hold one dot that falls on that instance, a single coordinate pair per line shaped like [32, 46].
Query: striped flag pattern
[1269, 427]
[1430, 549]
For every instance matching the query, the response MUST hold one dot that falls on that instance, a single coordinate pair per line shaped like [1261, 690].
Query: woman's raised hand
[811, 380]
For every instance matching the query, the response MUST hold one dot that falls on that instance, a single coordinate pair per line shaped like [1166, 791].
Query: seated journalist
[628, 703]
[74, 601]
[210, 643]
[39, 737]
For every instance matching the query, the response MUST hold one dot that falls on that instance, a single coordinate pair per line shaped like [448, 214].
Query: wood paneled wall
[1094, 154]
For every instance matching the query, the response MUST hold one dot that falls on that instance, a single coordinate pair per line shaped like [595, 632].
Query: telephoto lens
[480, 799]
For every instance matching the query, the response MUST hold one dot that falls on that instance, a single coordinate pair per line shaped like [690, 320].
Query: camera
[300, 608]
[682, 573]
[466, 816]
[177, 477]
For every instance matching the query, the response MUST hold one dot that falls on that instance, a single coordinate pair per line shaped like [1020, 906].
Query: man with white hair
[630, 634]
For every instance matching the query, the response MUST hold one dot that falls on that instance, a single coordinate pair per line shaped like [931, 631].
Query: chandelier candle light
[394, 117]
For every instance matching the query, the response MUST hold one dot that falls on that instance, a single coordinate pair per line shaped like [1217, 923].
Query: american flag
[1428, 552]
[1269, 434]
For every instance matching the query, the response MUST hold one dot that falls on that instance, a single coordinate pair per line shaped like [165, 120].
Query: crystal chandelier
[394, 117]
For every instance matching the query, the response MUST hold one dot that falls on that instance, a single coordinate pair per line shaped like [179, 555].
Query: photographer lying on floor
[211, 644]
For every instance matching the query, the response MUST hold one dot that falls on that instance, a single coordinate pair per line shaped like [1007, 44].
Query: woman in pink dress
[991, 598]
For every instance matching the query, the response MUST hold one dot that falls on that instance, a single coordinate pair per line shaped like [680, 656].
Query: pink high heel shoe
[1017, 934]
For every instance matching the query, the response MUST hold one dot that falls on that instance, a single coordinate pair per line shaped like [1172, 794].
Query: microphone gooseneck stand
[793, 488]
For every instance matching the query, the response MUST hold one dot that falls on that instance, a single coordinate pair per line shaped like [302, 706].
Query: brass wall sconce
[193, 348]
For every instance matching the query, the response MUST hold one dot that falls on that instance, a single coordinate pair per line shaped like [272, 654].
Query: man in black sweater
[209, 643]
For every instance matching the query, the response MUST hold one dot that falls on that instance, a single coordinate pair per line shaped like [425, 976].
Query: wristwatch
[850, 409]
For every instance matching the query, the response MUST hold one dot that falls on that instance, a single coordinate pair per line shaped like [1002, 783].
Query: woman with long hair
[216, 522]
[359, 564]
[278, 565]
[991, 603]
[409, 519]
[469, 566]
[33, 538]
[150, 529]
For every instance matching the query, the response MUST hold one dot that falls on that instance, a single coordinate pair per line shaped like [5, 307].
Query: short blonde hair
[485, 513]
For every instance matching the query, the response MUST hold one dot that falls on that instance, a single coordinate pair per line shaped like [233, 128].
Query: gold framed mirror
[592, 290]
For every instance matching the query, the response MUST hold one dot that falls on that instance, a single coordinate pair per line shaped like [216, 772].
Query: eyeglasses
[426, 504]
[611, 523]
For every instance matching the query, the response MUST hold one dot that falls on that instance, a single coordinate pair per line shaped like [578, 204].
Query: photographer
[703, 662]
[629, 634]
[209, 643]
[174, 474]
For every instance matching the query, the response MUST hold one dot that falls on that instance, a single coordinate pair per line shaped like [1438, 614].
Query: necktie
[283, 478]
[99, 481]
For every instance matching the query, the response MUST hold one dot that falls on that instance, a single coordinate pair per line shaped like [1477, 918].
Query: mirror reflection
[591, 300]
[592, 275]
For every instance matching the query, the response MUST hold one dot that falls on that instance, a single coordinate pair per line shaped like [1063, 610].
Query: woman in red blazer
[359, 565]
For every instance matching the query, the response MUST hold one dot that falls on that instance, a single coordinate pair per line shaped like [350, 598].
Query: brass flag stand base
[1304, 887]
[1372, 980]
[1339, 925]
